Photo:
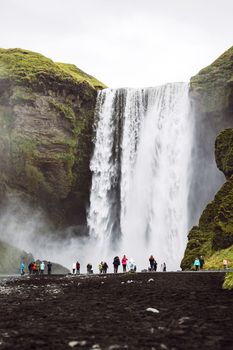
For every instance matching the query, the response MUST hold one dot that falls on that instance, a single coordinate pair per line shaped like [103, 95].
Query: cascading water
[140, 165]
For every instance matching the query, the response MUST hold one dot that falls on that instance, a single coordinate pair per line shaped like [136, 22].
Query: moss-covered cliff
[211, 92]
[46, 118]
[215, 230]
[213, 85]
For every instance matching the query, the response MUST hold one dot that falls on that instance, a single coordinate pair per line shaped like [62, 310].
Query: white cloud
[124, 42]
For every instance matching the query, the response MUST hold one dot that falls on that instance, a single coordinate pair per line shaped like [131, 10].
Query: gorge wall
[46, 119]
[212, 95]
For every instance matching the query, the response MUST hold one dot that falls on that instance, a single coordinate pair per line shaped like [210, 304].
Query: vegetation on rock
[228, 283]
[215, 229]
[213, 86]
[212, 93]
[46, 119]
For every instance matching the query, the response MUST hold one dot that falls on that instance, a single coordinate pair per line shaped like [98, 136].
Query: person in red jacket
[124, 263]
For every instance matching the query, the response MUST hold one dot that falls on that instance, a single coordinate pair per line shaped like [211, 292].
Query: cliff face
[212, 93]
[213, 237]
[46, 118]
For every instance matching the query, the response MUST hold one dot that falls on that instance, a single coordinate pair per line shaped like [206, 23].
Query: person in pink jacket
[124, 263]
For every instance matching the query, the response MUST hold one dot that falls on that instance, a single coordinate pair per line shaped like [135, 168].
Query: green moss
[64, 109]
[199, 243]
[29, 68]
[22, 95]
[6, 117]
[23, 147]
[212, 84]
[36, 180]
[80, 75]
[215, 260]
[228, 282]
[224, 152]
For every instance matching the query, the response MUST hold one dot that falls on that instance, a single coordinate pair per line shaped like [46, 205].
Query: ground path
[191, 311]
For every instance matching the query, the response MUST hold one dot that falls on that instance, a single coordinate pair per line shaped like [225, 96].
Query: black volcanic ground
[110, 312]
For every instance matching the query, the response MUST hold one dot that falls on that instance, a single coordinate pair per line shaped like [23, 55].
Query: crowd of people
[127, 265]
[36, 268]
[199, 263]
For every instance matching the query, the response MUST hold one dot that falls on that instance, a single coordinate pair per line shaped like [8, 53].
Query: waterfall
[140, 166]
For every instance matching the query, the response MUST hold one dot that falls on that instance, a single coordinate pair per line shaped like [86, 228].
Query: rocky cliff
[213, 237]
[46, 119]
[212, 94]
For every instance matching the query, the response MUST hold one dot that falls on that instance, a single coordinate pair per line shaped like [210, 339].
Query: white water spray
[140, 184]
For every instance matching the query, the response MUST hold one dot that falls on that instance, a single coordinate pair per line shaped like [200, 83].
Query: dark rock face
[215, 229]
[46, 118]
[212, 93]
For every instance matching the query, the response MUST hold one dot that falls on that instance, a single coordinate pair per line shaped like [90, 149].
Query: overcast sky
[133, 43]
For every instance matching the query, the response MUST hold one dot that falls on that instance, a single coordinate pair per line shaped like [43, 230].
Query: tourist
[22, 267]
[132, 266]
[30, 268]
[37, 266]
[124, 263]
[152, 263]
[105, 267]
[197, 264]
[225, 264]
[202, 262]
[74, 268]
[34, 268]
[89, 268]
[101, 267]
[42, 266]
[116, 263]
[77, 268]
[155, 265]
[164, 267]
[49, 267]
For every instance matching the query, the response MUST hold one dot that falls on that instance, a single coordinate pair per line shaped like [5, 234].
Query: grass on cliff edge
[23, 66]
[215, 261]
[228, 282]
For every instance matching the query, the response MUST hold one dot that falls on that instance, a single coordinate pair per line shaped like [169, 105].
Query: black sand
[59, 312]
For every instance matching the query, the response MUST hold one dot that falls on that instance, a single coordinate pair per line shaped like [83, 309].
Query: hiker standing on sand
[89, 268]
[152, 263]
[225, 264]
[124, 263]
[202, 262]
[105, 267]
[101, 267]
[197, 264]
[49, 266]
[22, 267]
[77, 268]
[116, 263]
[73, 268]
[34, 268]
[30, 268]
[42, 266]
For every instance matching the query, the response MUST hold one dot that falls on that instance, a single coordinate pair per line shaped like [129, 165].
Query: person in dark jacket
[77, 268]
[152, 263]
[105, 267]
[116, 263]
[49, 267]
[202, 262]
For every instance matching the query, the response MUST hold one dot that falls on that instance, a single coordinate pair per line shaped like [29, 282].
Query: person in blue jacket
[22, 267]
[197, 264]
